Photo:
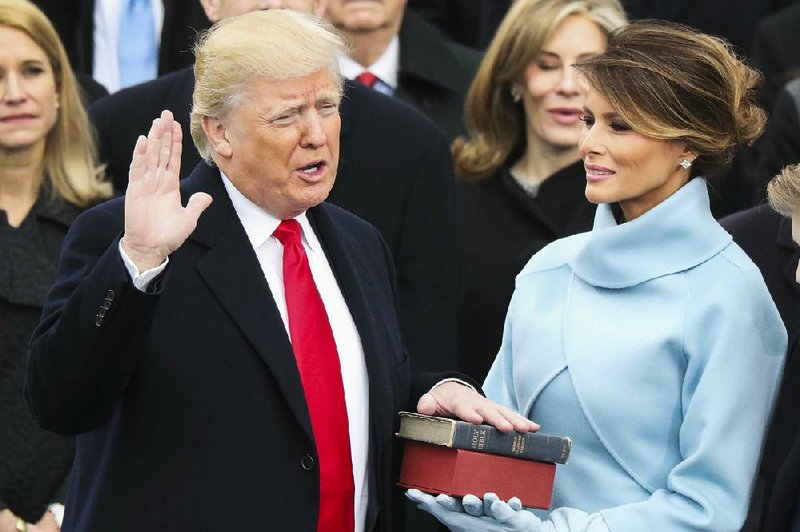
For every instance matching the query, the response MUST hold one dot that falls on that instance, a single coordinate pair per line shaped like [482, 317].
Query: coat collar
[674, 236]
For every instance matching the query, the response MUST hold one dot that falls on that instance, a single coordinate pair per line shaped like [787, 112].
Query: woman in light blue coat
[651, 340]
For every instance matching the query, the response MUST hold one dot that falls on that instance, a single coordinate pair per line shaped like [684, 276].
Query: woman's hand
[156, 223]
[472, 514]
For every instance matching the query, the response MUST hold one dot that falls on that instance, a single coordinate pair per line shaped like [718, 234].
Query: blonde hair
[669, 81]
[70, 155]
[276, 44]
[783, 190]
[495, 123]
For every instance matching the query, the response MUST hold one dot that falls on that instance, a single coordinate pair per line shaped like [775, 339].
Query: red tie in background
[367, 78]
[321, 375]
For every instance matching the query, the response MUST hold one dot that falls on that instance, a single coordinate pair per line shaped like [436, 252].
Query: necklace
[531, 188]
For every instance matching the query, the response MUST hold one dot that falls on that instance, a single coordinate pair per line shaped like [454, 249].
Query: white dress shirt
[105, 62]
[386, 67]
[259, 226]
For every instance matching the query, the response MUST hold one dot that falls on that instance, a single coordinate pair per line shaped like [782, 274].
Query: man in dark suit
[410, 58]
[395, 172]
[766, 237]
[75, 19]
[200, 359]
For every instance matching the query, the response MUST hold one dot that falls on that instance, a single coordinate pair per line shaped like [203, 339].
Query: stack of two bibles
[455, 457]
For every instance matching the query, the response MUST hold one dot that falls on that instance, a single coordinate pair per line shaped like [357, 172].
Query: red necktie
[367, 78]
[321, 375]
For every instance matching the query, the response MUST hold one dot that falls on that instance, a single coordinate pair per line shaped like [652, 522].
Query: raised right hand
[156, 223]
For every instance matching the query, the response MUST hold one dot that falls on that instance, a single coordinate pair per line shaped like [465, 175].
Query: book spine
[529, 445]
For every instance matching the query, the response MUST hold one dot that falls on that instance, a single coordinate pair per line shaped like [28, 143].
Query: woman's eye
[32, 70]
[617, 126]
[588, 120]
[547, 66]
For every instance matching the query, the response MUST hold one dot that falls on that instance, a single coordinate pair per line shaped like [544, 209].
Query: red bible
[456, 472]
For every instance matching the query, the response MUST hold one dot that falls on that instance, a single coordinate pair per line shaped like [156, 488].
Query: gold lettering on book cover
[478, 439]
[518, 444]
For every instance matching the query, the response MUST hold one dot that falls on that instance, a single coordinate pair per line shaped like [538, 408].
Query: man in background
[399, 53]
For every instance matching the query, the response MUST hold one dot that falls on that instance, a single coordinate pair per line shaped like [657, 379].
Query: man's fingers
[136, 169]
[427, 405]
[174, 165]
[506, 419]
[153, 146]
[166, 139]
[197, 204]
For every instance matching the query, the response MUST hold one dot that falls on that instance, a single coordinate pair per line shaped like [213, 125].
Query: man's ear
[211, 7]
[217, 135]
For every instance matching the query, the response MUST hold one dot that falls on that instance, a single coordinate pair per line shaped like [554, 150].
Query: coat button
[307, 462]
[110, 295]
[98, 320]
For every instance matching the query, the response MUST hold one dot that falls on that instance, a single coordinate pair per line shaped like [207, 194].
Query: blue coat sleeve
[734, 346]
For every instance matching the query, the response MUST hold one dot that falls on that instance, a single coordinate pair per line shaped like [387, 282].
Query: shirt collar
[675, 235]
[259, 224]
[385, 67]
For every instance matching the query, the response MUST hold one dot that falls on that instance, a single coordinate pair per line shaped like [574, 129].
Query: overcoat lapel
[234, 277]
[350, 272]
[348, 268]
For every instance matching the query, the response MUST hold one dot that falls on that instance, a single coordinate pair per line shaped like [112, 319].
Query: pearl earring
[686, 164]
[516, 93]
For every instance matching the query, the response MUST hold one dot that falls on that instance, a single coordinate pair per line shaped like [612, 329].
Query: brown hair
[669, 81]
[783, 190]
[495, 123]
[70, 154]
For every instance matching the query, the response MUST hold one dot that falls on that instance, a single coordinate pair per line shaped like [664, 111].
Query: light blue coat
[673, 349]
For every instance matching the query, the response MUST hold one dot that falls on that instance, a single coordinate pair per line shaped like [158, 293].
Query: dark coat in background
[777, 147]
[435, 73]
[766, 237]
[780, 144]
[472, 23]
[34, 463]
[74, 21]
[186, 400]
[394, 171]
[776, 51]
[499, 228]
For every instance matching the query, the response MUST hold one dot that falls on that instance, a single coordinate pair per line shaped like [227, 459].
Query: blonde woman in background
[522, 180]
[48, 174]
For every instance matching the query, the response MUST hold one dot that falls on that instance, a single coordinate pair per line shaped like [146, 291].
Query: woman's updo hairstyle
[669, 81]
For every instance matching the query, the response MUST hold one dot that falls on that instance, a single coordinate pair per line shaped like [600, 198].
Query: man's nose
[314, 134]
